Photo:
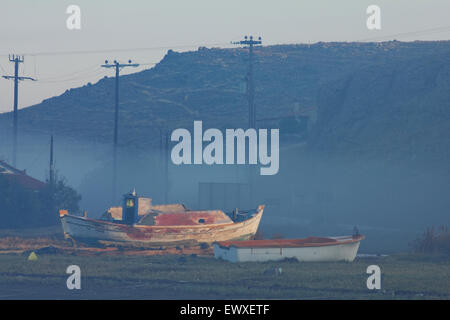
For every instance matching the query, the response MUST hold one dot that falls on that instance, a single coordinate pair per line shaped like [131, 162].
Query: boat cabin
[137, 210]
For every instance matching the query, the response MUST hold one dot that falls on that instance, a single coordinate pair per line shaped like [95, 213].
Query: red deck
[289, 243]
[192, 218]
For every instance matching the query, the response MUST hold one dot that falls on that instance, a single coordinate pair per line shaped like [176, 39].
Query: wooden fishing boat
[138, 223]
[311, 249]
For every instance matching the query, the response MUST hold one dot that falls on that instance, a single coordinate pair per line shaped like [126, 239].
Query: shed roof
[20, 177]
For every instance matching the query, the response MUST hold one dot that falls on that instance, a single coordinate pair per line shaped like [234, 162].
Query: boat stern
[62, 215]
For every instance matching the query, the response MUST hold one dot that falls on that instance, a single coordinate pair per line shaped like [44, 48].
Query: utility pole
[118, 66]
[166, 167]
[164, 160]
[248, 41]
[16, 59]
[51, 171]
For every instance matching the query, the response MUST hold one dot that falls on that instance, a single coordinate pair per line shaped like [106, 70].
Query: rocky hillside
[368, 96]
[399, 108]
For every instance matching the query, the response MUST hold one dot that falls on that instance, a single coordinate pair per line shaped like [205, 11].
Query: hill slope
[397, 108]
[376, 95]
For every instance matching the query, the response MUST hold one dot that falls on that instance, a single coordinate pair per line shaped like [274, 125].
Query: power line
[80, 52]
[85, 72]
[410, 33]
[78, 75]
[91, 68]
[1, 67]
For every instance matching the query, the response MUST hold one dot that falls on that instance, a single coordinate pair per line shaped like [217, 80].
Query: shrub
[21, 207]
[432, 241]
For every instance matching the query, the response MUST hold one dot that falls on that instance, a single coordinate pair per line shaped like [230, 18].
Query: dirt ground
[117, 273]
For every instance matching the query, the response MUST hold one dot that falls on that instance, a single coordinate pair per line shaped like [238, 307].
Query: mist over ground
[391, 203]
[364, 137]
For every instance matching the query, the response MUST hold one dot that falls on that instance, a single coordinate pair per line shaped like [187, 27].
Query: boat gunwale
[215, 225]
[287, 244]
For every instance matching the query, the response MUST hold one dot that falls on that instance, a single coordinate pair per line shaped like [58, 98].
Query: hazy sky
[37, 28]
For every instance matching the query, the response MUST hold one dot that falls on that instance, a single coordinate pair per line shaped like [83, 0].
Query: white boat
[311, 249]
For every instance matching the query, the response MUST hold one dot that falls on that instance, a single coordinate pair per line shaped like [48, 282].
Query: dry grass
[23, 244]
[45, 245]
[136, 275]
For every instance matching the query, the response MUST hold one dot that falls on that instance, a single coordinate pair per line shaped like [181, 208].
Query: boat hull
[104, 232]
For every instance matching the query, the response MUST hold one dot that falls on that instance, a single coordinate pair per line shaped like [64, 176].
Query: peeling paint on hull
[92, 230]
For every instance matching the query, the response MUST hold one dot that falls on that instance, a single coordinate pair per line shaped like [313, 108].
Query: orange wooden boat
[139, 223]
